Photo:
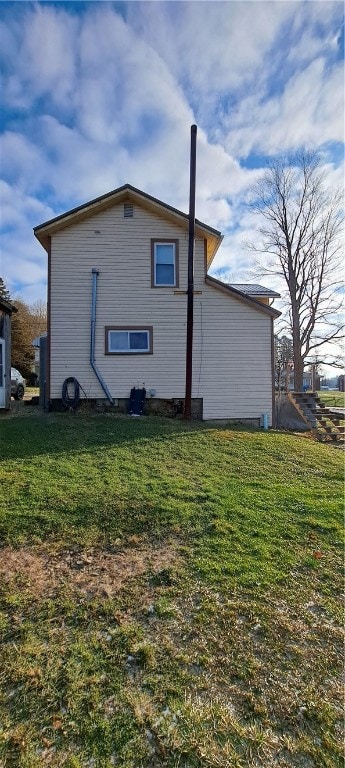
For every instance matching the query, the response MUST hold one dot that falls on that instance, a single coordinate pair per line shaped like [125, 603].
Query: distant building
[288, 379]
[36, 362]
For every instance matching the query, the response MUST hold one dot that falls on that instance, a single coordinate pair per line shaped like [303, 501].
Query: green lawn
[332, 397]
[170, 595]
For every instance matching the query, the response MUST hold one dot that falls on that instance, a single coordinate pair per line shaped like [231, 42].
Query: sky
[98, 94]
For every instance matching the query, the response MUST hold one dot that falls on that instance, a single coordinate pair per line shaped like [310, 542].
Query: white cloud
[98, 100]
[23, 261]
[18, 209]
[214, 46]
[309, 112]
[21, 160]
[40, 55]
[24, 265]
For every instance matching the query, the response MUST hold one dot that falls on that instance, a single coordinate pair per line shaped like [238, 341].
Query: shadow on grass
[23, 438]
[93, 478]
[88, 524]
[64, 433]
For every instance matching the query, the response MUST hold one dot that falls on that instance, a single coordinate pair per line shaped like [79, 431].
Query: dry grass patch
[264, 679]
[94, 572]
[164, 671]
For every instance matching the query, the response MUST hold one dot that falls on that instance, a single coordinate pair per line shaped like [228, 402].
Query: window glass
[122, 341]
[138, 340]
[164, 253]
[165, 274]
[118, 341]
[164, 264]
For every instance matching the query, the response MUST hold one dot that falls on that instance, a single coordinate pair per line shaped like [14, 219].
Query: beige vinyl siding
[234, 376]
[122, 253]
[231, 351]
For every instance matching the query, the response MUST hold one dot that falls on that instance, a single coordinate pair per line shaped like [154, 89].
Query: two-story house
[117, 309]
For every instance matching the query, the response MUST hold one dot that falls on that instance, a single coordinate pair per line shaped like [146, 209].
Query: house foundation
[169, 408]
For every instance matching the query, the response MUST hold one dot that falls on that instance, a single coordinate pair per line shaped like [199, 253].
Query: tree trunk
[298, 370]
[298, 362]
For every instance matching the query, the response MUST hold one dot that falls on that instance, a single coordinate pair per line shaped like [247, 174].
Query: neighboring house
[6, 310]
[288, 379]
[117, 307]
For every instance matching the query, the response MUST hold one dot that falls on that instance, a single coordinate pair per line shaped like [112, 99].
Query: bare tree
[283, 356]
[300, 229]
[38, 313]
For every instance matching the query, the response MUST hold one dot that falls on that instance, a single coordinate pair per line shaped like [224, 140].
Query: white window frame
[128, 329]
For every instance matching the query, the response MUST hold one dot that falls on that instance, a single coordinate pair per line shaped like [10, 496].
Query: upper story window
[120, 340]
[164, 255]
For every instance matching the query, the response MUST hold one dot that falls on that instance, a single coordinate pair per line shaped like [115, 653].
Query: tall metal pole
[190, 287]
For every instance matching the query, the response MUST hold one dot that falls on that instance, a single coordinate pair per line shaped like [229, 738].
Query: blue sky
[98, 94]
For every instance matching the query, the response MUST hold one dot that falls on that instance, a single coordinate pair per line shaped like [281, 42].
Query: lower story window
[128, 341]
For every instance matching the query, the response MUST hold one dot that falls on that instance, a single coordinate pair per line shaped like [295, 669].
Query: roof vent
[128, 210]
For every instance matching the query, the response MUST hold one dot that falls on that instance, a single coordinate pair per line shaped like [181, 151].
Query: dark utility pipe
[95, 274]
[190, 287]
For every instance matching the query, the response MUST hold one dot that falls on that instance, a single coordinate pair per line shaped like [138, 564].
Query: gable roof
[241, 296]
[116, 196]
[255, 290]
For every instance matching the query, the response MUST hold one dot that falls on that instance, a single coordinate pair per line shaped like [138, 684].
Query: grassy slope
[229, 656]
